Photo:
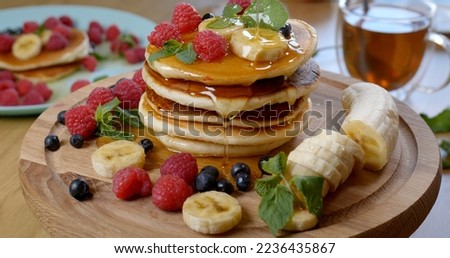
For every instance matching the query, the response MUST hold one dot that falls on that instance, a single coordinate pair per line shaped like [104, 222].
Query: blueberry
[205, 182]
[147, 144]
[76, 141]
[261, 161]
[207, 16]
[240, 167]
[52, 143]
[225, 186]
[79, 189]
[243, 182]
[286, 31]
[210, 170]
[61, 118]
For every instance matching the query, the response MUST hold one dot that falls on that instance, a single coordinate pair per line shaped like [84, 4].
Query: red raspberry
[112, 32]
[131, 182]
[78, 84]
[137, 78]
[185, 18]
[128, 92]
[6, 42]
[99, 96]
[51, 22]
[33, 97]
[66, 31]
[5, 74]
[118, 46]
[243, 3]
[134, 55]
[80, 120]
[30, 27]
[96, 25]
[95, 36]
[89, 63]
[6, 84]
[170, 192]
[183, 165]
[56, 41]
[162, 33]
[66, 20]
[210, 46]
[44, 90]
[9, 97]
[24, 86]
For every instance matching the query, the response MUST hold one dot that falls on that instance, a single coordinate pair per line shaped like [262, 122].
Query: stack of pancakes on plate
[232, 107]
[49, 65]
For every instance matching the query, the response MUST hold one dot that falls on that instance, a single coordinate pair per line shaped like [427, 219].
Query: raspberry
[6, 84]
[170, 192]
[243, 3]
[44, 90]
[6, 42]
[6, 75]
[118, 46]
[78, 84]
[210, 46]
[80, 120]
[137, 78]
[183, 165]
[162, 33]
[66, 20]
[51, 22]
[56, 41]
[112, 32]
[89, 63]
[23, 87]
[128, 92]
[134, 55]
[99, 96]
[131, 182]
[64, 30]
[9, 97]
[30, 27]
[96, 25]
[185, 18]
[33, 97]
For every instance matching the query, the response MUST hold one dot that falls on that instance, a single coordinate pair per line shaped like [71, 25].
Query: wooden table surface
[16, 219]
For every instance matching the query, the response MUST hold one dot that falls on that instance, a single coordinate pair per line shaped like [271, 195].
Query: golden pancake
[48, 74]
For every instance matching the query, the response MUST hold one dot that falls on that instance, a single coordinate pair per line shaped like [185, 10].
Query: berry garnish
[162, 33]
[80, 120]
[89, 63]
[207, 16]
[131, 182]
[128, 92]
[147, 144]
[183, 165]
[134, 55]
[61, 117]
[9, 97]
[239, 168]
[137, 78]
[79, 189]
[33, 97]
[76, 141]
[243, 181]
[205, 182]
[225, 186]
[78, 84]
[24, 86]
[112, 32]
[210, 46]
[185, 18]
[30, 27]
[44, 90]
[286, 31]
[52, 143]
[243, 3]
[66, 20]
[210, 170]
[99, 96]
[51, 22]
[170, 192]
[6, 42]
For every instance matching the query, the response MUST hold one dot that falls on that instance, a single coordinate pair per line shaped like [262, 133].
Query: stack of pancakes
[49, 65]
[232, 107]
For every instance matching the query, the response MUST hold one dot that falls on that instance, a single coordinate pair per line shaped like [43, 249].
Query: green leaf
[101, 77]
[266, 184]
[129, 39]
[276, 165]
[173, 46]
[127, 117]
[445, 146]
[311, 188]
[270, 13]
[98, 56]
[157, 55]
[231, 10]
[276, 208]
[220, 23]
[439, 123]
[187, 55]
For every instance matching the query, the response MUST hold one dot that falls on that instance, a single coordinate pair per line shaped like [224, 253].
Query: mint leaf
[98, 78]
[275, 165]
[231, 10]
[173, 46]
[187, 54]
[276, 208]
[157, 55]
[220, 23]
[129, 39]
[266, 184]
[311, 188]
[439, 123]
[183, 52]
[270, 14]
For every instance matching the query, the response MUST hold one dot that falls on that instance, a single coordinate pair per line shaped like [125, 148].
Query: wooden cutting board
[388, 203]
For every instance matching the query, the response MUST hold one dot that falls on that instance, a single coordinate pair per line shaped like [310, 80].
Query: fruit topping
[52, 143]
[76, 141]
[147, 144]
[162, 33]
[210, 46]
[185, 18]
[205, 182]
[9, 97]
[134, 55]
[51, 23]
[210, 170]
[207, 16]
[137, 78]
[243, 182]
[112, 32]
[43, 89]
[26, 46]
[80, 120]
[170, 192]
[61, 117]
[128, 92]
[225, 186]
[33, 97]
[99, 96]
[262, 160]
[286, 31]
[6, 43]
[131, 182]
[89, 62]
[243, 3]
[238, 168]
[79, 189]
[183, 165]
[24, 86]
[30, 27]
[78, 84]
[66, 20]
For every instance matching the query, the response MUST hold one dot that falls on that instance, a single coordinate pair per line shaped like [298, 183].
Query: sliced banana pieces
[301, 220]
[111, 157]
[211, 212]
[27, 46]
[371, 121]
[257, 44]
[224, 32]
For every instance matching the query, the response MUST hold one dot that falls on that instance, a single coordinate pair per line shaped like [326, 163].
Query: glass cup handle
[441, 41]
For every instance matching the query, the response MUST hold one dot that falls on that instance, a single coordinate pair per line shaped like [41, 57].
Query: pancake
[77, 48]
[48, 74]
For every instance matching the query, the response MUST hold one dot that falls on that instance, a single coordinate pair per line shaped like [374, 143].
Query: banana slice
[26, 46]
[224, 32]
[371, 121]
[211, 212]
[111, 157]
[45, 36]
[256, 44]
[295, 169]
[301, 220]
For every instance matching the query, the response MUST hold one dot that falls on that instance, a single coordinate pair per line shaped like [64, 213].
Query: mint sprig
[112, 119]
[277, 196]
[183, 52]
[228, 18]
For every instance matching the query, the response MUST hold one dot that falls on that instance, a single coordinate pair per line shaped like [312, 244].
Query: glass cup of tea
[385, 42]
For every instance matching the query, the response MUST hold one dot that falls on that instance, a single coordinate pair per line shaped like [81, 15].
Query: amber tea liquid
[386, 53]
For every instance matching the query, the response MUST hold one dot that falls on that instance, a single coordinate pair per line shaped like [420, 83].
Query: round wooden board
[388, 203]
